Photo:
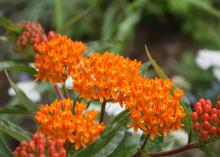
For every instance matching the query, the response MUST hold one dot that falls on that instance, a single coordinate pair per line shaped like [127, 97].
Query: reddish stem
[174, 151]
[58, 92]
[102, 112]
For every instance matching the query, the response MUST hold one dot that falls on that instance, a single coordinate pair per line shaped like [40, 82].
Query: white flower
[180, 136]
[113, 108]
[208, 58]
[28, 87]
[216, 72]
[68, 83]
[139, 132]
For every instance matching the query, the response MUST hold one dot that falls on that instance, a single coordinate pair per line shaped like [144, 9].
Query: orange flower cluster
[58, 121]
[153, 108]
[104, 76]
[57, 58]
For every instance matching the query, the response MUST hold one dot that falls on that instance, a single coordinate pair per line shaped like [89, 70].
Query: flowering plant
[67, 126]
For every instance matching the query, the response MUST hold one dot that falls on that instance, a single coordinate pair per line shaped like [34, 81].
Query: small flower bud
[207, 108]
[206, 125]
[196, 126]
[204, 134]
[213, 118]
[218, 105]
[214, 111]
[213, 130]
[59, 144]
[194, 117]
[51, 34]
[205, 117]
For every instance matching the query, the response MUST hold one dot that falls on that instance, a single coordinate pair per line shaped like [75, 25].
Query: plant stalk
[102, 112]
[174, 151]
[58, 92]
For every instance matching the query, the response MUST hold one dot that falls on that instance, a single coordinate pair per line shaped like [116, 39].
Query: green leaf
[58, 13]
[154, 145]
[205, 6]
[26, 102]
[4, 150]
[75, 19]
[144, 68]
[157, 68]
[17, 109]
[9, 25]
[14, 130]
[122, 114]
[128, 147]
[107, 142]
[16, 67]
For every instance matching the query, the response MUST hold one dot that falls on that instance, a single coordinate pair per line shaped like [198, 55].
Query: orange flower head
[104, 76]
[57, 57]
[153, 108]
[58, 121]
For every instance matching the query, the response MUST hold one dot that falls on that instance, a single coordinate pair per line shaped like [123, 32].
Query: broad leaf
[4, 150]
[108, 141]
[17, 109]
[9, 25]
[14, 130]
[128, 147]
[25, 101]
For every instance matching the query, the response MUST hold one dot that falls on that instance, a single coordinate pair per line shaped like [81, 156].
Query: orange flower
[153, 108]
[58, 121]
[104, 76]
[57, 58]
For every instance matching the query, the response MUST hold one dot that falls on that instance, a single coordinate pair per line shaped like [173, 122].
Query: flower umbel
[206, 121]
[57, 58]
[39, 145]
[58, 121]
[33, 33]
[153, 108]
[104, 76]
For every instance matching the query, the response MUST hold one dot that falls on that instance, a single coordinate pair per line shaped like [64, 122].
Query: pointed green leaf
[107, 142]
[14, 130]
[9, 25]
[25, 101]
[17, 109]
[4, 150]
[16, 67]
[157, 68]
[128, 147]
[74, 19]
[58, 13]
